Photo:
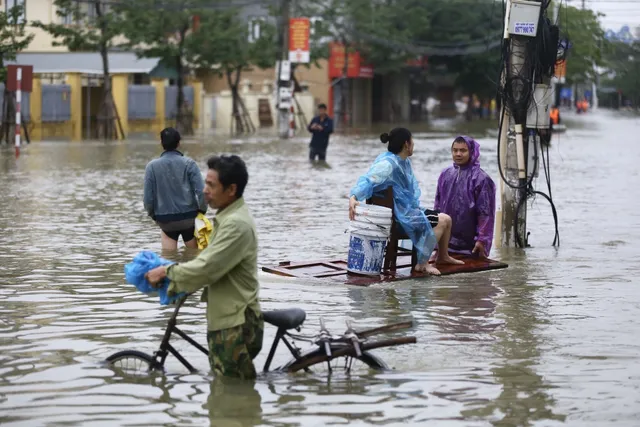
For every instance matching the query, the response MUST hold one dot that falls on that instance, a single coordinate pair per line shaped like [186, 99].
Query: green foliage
[455, 23]
[582, 28]
[221, 43]
[624, 62]
[13, 38]
[90, 32]
[160, 30]
[380, 31]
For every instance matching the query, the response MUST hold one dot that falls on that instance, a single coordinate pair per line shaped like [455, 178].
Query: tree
[471, 54]
[582, 28]
[222, 43]
[624, 61]
[164, 30]
[91, 26]
[13, 40]
[381, 32]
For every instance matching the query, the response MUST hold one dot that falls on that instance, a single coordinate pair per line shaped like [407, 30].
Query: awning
[85, 62]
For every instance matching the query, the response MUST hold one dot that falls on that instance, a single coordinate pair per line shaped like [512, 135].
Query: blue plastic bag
[143, 262]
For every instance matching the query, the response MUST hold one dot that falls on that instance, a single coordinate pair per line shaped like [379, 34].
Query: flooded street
[552, 340]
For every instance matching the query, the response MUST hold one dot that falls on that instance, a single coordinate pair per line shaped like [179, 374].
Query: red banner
[299, 29]
[354, 67]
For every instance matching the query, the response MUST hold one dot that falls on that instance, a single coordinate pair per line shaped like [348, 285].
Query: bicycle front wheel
[133, 363]
[316, 361]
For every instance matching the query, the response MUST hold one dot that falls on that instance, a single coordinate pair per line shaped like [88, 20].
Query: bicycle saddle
[290, 318]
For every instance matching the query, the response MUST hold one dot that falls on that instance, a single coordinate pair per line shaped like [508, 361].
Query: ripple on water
[549, 341]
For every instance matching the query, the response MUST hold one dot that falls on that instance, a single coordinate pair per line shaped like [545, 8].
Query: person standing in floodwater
[321, 127]
[173, 193]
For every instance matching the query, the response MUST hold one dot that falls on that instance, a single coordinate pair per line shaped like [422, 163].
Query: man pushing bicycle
[228, 271]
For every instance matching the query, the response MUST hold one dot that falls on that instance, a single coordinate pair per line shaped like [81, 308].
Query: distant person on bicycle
[228, 271]
[425, 227]
[321, 127]
[173, 195]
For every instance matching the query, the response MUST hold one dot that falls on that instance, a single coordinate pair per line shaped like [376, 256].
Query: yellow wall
[75, 81]
[197, 102]
[120, 88]
[45, 12]
[36, 109]
[159, 84]
[143, 126]
[316, 77]
[75, 127]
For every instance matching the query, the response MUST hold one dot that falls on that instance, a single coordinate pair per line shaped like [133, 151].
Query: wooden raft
[336, 270]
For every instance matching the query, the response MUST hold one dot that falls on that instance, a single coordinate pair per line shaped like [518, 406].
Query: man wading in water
[228, 271]
[173, 193]
[321, 127]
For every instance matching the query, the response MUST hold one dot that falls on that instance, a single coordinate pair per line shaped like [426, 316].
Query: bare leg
[443, 235]
[192, 244]
[168, 244]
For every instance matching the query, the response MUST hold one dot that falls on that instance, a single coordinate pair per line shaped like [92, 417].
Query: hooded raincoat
[390, 170]
[468, 195]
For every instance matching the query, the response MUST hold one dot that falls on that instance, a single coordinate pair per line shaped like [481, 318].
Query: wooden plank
[336, 270]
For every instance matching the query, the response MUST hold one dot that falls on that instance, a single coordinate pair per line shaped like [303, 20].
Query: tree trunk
[108, 114]
[183, 117]
[233, 81]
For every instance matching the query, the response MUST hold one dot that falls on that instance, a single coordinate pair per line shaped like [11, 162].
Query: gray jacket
[173, 188]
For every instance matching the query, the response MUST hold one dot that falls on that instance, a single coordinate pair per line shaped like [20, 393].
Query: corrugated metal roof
[85, 62]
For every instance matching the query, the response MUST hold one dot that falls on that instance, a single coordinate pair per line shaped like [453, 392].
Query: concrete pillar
[197, 103]
[36, 109]
[74, 80]
[120, 88]
[159, 84]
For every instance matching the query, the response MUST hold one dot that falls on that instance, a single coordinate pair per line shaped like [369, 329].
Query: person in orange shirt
[554, 115]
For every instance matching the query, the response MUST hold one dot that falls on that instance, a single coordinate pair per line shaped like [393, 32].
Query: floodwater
[552, 340]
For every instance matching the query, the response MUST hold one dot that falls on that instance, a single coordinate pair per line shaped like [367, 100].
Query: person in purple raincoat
[468, 195]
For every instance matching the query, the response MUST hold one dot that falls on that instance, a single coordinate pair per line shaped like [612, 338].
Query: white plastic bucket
[368, 239]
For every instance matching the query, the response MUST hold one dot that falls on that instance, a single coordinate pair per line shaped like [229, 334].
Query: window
[10, 4]
[87, 10]
[253, 29]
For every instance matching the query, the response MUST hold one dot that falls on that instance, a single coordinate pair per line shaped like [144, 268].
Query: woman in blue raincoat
[426, 228]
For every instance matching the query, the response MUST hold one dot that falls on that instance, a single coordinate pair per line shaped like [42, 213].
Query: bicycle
[350, 346]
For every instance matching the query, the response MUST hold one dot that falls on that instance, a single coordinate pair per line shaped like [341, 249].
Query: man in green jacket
[228, 271]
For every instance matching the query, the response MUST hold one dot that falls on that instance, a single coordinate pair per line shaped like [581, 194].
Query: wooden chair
[391, 255]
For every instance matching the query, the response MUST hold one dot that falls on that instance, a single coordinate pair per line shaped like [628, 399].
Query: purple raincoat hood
[474, 152]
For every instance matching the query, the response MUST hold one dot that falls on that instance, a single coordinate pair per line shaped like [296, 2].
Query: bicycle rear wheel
[316, 360]
[133, 363]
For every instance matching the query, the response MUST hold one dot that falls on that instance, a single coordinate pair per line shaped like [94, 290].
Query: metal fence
[56, 103]
[170, 100]
[142, 102]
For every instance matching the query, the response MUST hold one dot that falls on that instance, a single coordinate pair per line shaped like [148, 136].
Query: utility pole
[511, 146]
[283, 113]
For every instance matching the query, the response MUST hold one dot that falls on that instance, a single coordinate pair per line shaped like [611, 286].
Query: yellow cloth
[203, 231]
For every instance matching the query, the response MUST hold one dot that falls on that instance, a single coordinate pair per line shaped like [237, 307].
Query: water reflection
[234, 403]
[465, 312]
[523, 399]
[552, 338]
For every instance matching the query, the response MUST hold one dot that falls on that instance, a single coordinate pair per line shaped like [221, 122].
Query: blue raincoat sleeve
[377, 178]
[143, 262]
